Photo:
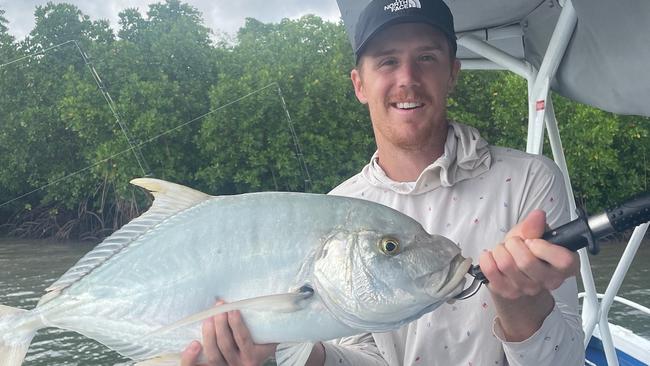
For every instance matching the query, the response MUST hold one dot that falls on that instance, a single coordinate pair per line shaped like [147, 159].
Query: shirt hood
[466, 156]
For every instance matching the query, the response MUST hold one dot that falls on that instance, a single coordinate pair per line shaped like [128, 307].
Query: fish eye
[389, 246]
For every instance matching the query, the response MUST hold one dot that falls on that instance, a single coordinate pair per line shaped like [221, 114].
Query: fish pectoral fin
[284, 303]
[293, 354]
[172, 359]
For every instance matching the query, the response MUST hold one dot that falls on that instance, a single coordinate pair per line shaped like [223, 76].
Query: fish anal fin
[293, 354]
[171, 359]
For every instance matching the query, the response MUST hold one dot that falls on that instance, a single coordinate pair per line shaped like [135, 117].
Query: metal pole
[590, 302]
[495, 55]
[613, 287]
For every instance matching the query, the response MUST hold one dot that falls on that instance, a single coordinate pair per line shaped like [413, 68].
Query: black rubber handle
[574, 235]
[630, 214]
[577, 234]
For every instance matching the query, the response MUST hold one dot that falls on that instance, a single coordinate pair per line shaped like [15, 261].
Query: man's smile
[407, 105]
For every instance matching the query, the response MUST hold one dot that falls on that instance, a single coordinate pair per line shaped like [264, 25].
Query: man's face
[404, 75]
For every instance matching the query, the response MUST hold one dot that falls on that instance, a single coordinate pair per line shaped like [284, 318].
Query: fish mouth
[454, 279]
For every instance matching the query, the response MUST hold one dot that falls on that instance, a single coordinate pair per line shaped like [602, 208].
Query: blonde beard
[412, 141]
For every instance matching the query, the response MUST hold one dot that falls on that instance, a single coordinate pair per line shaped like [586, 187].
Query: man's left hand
[522, 271]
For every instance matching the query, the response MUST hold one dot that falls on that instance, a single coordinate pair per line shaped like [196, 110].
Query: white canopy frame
[540, 115]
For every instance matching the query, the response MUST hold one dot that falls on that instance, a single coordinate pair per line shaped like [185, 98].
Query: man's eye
[388, 62]
[427, 58]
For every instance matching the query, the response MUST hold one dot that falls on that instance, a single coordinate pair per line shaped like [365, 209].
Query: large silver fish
[301, 268]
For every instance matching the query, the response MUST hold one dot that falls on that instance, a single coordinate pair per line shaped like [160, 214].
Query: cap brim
[400, 20]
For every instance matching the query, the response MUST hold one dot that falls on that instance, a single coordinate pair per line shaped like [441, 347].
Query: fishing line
[296, 143]
[135, 147]
[36, 54]
[151, 139]
[142, 163]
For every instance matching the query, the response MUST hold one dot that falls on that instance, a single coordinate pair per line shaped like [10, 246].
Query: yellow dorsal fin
[170, 194]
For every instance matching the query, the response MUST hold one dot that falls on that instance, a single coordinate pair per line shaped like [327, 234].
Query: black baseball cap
[380, 14]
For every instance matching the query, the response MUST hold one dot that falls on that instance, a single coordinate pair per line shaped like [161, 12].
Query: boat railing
[624, 301]
[630, 347]
[599, 314]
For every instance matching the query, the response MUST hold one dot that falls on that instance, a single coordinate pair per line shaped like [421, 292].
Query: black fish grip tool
[583, 232]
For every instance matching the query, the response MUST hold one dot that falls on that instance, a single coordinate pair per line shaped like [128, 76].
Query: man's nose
[409, 74]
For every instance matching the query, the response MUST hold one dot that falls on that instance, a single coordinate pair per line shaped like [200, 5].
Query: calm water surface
[28, 267]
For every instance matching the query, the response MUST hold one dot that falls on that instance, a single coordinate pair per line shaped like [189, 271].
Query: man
[445, 176]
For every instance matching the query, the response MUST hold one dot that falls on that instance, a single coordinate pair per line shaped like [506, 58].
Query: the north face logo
[402, 4]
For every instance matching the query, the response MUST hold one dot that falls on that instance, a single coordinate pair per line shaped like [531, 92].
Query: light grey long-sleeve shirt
[473, 194]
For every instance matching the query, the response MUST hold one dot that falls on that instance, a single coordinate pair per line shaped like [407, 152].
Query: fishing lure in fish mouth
[583, 232]
[478, 280]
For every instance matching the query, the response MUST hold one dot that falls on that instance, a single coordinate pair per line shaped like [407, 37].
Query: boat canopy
[604, 64]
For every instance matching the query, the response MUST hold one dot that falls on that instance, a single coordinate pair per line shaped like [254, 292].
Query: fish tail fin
[16, 333]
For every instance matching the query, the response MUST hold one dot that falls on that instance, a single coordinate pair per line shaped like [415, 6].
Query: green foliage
[56, 122]
[38, 147]
[210, 113]
[607, 155]
[249, 146]
[7, 47]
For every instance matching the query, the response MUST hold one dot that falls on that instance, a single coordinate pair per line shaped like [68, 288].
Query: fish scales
[191, 251]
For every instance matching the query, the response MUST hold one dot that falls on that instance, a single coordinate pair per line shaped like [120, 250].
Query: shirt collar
[466, 156]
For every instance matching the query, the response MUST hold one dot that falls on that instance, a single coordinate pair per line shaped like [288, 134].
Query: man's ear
[355, 76]
[453, 78]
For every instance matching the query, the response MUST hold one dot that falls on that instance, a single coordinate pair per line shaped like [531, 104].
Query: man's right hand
[226, 341]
